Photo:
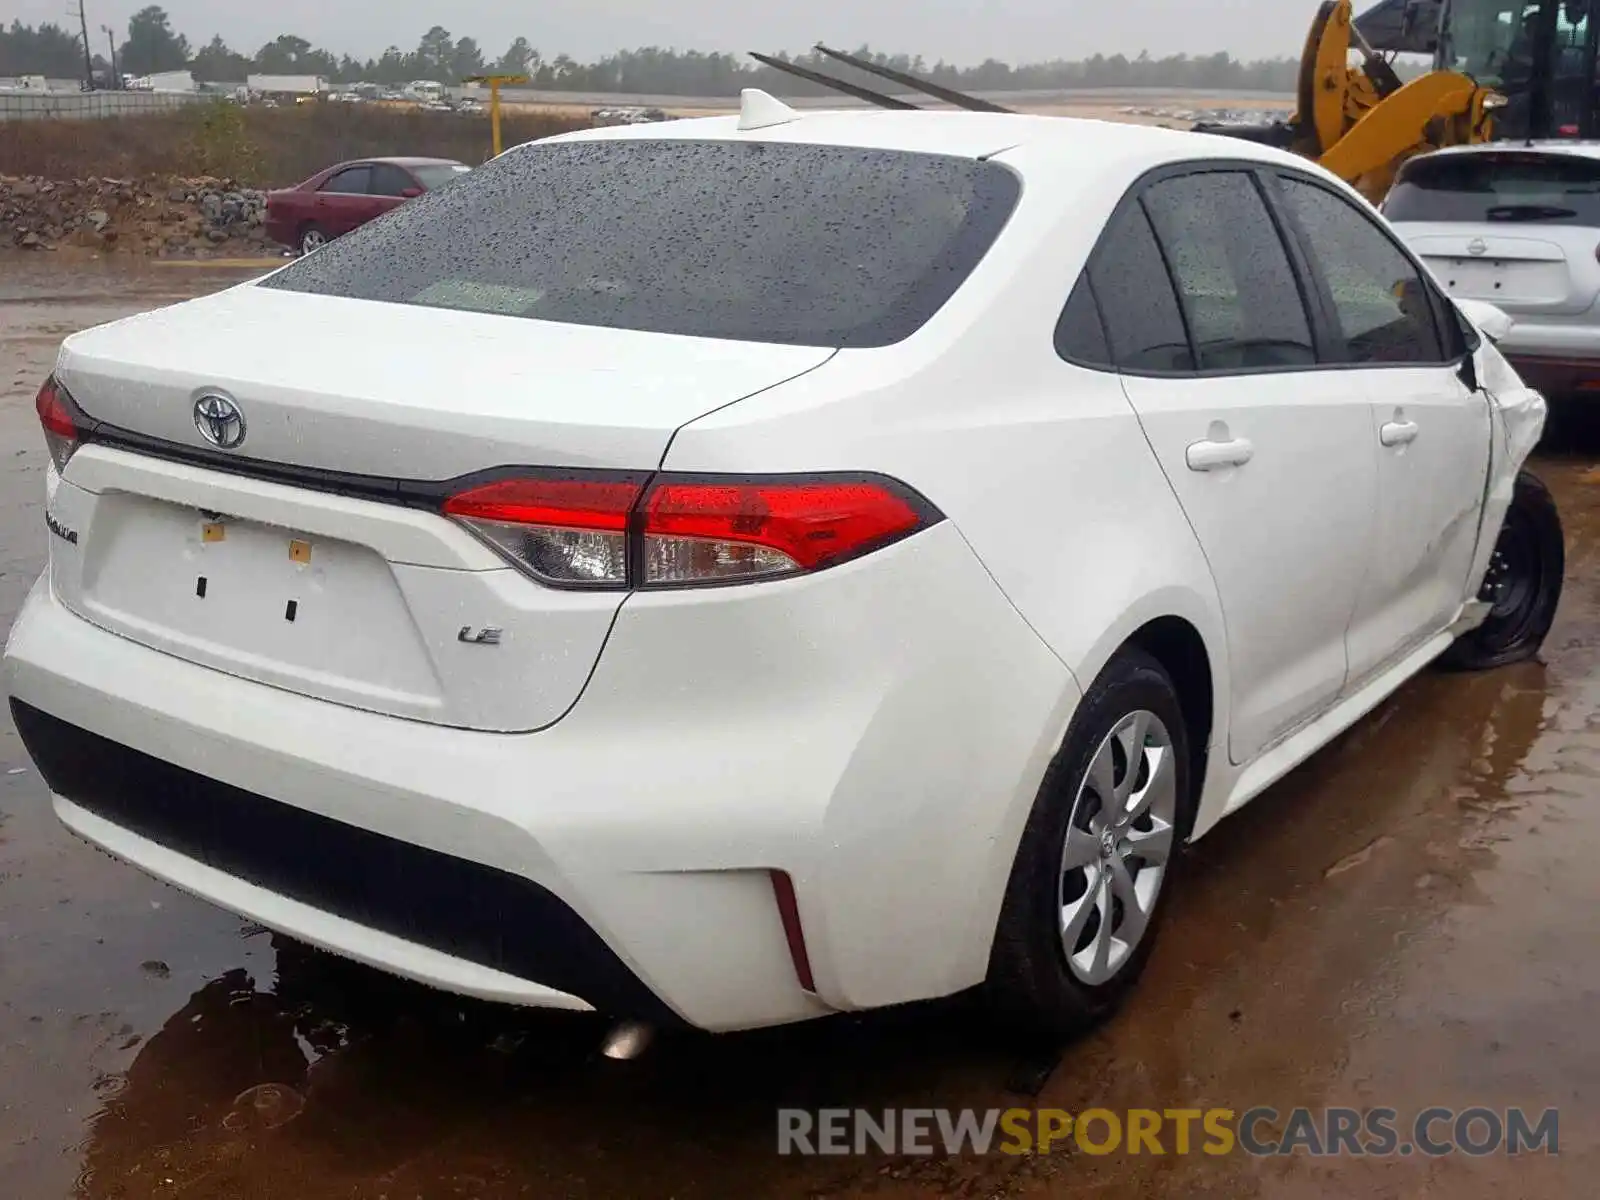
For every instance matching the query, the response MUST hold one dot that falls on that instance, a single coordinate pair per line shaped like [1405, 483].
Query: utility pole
[111, 40]
[88, 56]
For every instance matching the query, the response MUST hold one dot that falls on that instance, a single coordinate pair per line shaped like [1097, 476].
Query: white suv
[1517, 225]
[753, 568]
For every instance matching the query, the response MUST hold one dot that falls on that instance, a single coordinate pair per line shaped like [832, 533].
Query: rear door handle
[1214, 456]
[1398, 433]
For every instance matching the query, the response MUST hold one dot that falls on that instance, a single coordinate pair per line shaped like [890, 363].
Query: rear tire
[313, 237]
[1523, 582]
[1082, 908]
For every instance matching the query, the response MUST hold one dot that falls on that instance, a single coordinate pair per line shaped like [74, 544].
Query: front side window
[760, 241]
[1232, 272]
[1382, 302]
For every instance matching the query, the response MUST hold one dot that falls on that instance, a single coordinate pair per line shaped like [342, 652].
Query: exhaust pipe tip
[627, 1041]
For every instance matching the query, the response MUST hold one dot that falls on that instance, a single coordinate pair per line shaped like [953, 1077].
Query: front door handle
[1214, 456]
[1398, 433]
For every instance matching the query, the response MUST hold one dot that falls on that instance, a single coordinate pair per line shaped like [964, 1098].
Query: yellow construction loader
[1531, 61]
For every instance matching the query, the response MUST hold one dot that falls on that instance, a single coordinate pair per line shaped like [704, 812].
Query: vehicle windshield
[1494, 40]
[1499, 186]
[1538, 53]
[435, 175]
[771, 242]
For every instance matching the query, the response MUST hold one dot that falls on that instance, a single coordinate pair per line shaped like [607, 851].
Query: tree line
[153, 45]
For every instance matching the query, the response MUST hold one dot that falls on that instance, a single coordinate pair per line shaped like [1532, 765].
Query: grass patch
[258, 147]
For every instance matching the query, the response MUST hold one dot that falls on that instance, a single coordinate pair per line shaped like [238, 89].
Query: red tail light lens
[567, 531]
[710, 532]
[60, 417]
[609, 531]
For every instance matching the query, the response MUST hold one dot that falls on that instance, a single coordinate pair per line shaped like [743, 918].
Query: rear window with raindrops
[769, 242]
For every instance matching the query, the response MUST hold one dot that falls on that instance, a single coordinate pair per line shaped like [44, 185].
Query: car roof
[400, 161]
[1571, 147]
[964, 134]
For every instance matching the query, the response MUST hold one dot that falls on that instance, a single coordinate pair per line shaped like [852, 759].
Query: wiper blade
[1529, 212]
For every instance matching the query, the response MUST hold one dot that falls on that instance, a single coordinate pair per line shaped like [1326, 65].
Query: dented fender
[1517, 418]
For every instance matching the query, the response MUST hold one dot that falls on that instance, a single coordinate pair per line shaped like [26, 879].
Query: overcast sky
[1013, 30]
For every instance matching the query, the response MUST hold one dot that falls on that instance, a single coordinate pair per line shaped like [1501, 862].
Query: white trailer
[171, 81]
[286, 85]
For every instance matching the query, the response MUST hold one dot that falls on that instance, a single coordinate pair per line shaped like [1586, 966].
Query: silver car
[1518, 225]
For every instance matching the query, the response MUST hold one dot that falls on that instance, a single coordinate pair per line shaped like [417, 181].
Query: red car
[334, 201]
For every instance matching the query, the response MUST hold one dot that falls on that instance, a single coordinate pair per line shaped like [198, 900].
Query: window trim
[1316, 296]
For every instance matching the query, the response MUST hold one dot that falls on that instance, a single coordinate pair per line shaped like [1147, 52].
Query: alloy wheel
[1117, 848]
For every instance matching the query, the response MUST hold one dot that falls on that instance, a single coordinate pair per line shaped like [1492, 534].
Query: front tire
[1090, 882]
[1523, 584]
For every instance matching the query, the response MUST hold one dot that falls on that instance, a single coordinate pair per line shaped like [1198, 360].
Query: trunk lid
[396, 390]
[1530, 269]
[1514, 225]
[328, 591]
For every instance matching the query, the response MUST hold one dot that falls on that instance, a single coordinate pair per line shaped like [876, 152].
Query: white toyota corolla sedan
[745, 569]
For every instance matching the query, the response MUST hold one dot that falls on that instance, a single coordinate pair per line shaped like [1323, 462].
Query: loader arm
[1360, 121]
[1441, 108]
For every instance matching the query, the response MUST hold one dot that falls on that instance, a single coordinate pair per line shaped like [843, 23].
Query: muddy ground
[1408, 921]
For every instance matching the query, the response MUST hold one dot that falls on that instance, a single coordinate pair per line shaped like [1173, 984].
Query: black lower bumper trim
[462, 908]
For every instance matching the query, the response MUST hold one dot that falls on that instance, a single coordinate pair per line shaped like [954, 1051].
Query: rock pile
[168, 218]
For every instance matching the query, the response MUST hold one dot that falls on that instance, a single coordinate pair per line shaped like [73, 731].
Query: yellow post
[494, 82]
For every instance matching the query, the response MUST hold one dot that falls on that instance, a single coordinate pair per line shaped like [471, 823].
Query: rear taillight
[603, 530]
[62, 421]
[571, 531]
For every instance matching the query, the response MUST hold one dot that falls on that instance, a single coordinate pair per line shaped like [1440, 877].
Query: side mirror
[411, 193]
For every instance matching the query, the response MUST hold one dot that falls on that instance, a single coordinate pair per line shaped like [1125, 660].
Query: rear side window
[1080, 335]
[389, 180]
[1498, 186]
[432, 175]
[1238, 290]
[1142, 320]
[1383, 304]
[770, 242]
[350, 181]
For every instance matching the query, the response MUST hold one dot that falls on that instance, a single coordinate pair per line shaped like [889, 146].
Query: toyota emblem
[1477, 247]
[219, 421]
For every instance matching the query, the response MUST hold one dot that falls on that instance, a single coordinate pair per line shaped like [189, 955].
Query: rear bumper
[877, 732]
[173, 821]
